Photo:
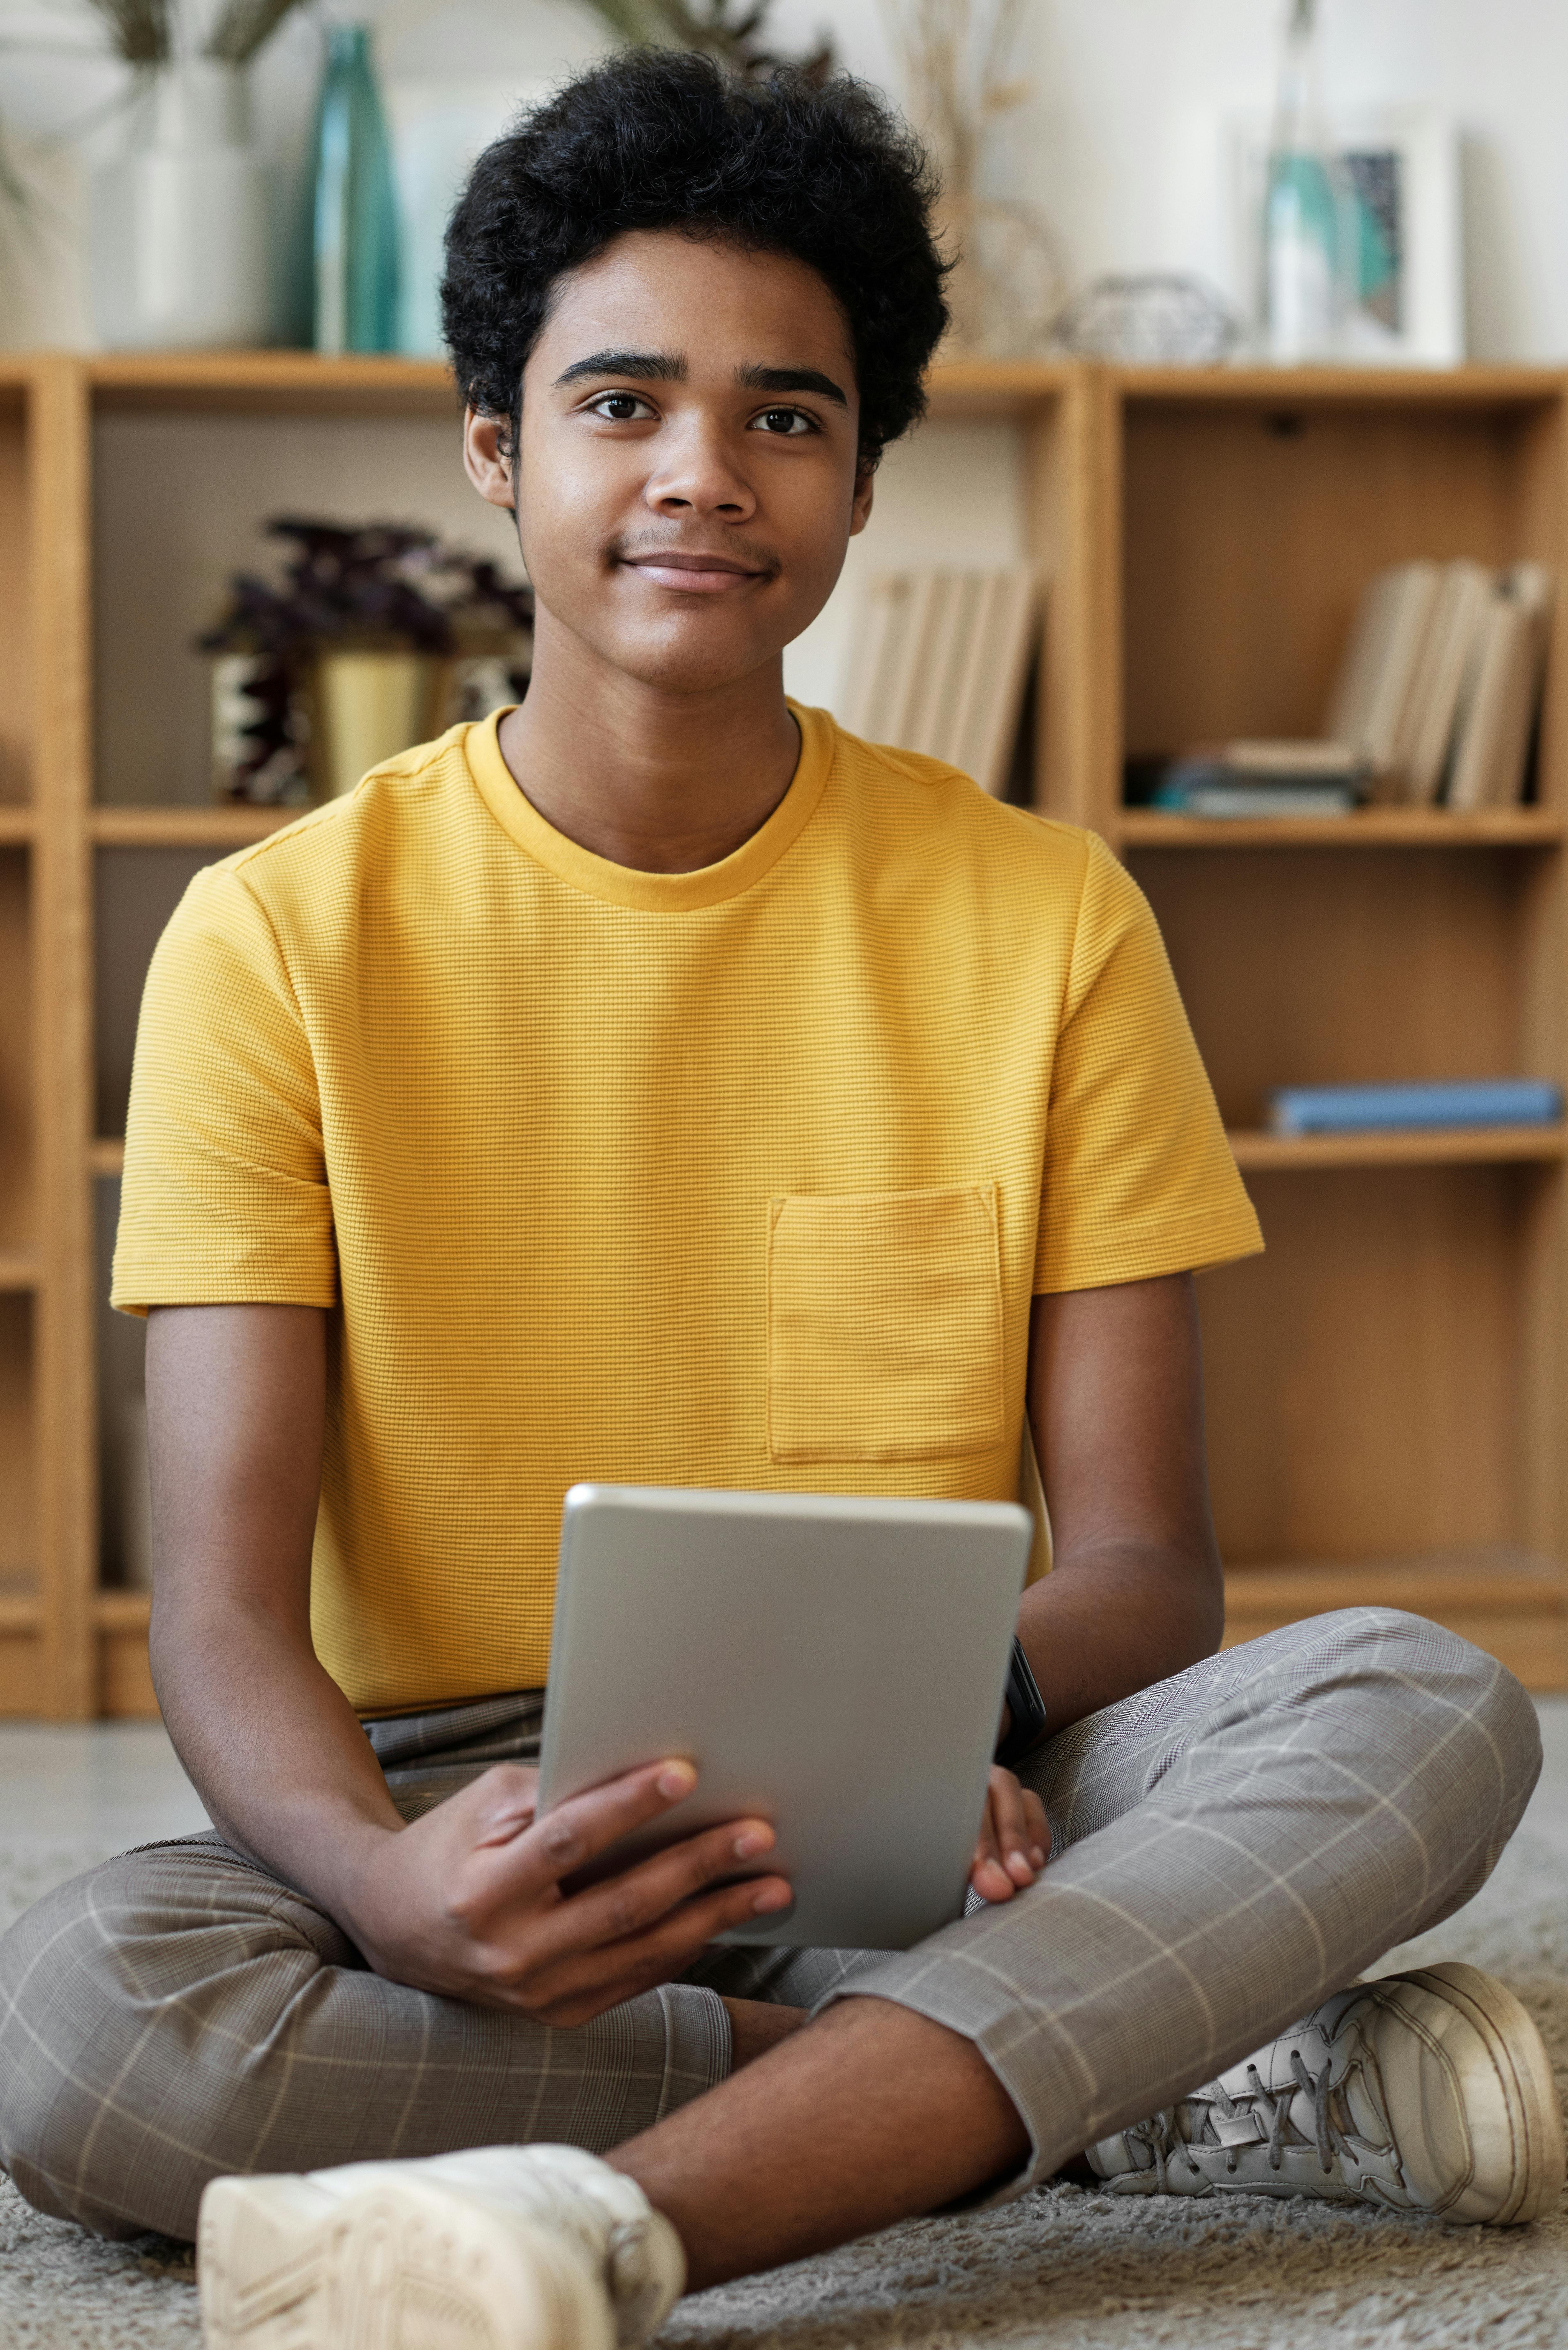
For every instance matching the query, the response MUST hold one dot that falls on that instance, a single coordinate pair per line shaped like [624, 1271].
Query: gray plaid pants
[1230, 1847]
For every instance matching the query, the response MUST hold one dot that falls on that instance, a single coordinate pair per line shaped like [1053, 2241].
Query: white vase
[178, 237]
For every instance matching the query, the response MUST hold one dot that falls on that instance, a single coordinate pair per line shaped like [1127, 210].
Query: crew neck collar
[623, 885]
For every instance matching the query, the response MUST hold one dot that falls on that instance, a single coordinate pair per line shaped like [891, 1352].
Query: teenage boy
[659, 1086]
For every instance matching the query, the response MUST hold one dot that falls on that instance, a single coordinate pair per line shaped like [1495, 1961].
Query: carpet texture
[1060, 2267]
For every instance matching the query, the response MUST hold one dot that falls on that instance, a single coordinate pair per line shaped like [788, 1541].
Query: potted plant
[376, 636]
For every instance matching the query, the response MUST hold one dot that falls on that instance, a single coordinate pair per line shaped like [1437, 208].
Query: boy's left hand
[1014, 1839]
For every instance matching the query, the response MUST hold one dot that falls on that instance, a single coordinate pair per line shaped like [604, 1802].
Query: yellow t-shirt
[736, 1177]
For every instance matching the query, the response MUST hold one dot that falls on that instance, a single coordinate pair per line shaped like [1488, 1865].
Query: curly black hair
[660, 139]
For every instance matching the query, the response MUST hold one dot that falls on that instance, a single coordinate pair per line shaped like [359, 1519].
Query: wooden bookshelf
[1388, 1386]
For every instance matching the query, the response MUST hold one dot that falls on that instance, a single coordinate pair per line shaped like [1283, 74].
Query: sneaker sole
[403, 2265]
[1524, 2069]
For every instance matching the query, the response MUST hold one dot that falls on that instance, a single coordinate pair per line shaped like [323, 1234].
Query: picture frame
[1401, 169]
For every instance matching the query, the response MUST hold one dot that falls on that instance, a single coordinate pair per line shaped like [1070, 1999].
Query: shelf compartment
[1510, 1602]
[1389, 828]
[1372, 1378]
[1322, 969]
[1264, 1153]
[217, 826]
[1254, 514]
[105, 1158]
[190, 457]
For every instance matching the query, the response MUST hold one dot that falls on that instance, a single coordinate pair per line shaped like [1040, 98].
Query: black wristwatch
[1027, 1708]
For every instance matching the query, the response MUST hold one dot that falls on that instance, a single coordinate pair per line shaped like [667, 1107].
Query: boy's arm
[1116, 1402]
[468, 1900]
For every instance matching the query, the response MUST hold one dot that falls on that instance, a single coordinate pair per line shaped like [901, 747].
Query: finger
[1038, 1828]
[574, 1833]
[988, 1875]
[1010, 1825]
[588, 1982]
[632, 1904]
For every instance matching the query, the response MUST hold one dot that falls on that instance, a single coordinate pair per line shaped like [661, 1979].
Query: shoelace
[1166, 2140]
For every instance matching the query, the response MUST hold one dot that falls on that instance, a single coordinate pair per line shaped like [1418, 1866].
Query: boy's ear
[484, 463]
[860, 507]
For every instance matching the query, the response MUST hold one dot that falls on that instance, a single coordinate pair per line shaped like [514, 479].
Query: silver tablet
[832, 1663]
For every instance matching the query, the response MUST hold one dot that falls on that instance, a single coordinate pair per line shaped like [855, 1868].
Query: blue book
[1459, 1101]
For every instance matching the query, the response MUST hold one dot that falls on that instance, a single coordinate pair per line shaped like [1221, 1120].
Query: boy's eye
[785, 420]
[619, 407]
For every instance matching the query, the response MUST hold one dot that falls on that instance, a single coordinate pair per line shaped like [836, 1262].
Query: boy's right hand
[468, 1900]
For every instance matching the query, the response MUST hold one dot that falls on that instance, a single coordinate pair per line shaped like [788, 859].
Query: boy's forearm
[1115, 1619]
[271, 1745]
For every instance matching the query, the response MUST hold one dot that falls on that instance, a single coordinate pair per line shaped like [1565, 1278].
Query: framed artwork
[1404, 278]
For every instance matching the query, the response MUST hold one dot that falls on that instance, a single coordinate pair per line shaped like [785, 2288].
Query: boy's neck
[658, 781]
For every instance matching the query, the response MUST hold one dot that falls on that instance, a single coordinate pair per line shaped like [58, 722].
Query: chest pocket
[885, 1326]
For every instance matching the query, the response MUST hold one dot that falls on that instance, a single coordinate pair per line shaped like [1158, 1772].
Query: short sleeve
[1139, 1178]
[224, 1199]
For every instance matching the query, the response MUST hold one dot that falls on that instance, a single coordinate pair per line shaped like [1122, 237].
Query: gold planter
[368, 707]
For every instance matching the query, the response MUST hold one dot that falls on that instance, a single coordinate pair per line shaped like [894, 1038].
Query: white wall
[1118, 145]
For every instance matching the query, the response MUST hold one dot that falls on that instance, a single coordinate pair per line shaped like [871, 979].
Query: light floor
[113, 1785]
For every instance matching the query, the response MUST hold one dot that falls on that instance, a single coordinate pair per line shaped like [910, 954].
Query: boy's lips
[694, 571]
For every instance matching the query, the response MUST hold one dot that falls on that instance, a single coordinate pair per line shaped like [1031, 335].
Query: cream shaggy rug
[1060, 2267]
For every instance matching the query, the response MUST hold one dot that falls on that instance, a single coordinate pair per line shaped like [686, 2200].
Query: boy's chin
[696, 670]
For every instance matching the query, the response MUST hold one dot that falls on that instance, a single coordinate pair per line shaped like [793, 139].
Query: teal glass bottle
[351, 208]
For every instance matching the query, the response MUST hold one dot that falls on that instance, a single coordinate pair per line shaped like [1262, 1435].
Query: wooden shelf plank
[20, 1611]
[217, 828]
[1302, 387]
[18, 1270]
[106, 1156]
[17, 824]
[1531, 828]
[121, 1611]
[1511, 1603]
[1501, 1581]
[1264, 1153]
[281, 382]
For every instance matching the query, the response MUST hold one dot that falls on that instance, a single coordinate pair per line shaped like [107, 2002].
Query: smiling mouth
[694, 572]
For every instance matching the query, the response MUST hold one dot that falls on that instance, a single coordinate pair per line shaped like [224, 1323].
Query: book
[1372, 692]
[939, 662]
[1497, 709]
[1264, 779]
[1465, 593]
[1449, 1102]
[1262, 801]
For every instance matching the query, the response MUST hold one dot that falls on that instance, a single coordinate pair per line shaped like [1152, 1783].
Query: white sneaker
[1427, 2092]
[499, 2248]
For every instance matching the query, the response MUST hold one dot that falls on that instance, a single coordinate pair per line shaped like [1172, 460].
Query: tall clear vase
[348, 299]
[1308, 226]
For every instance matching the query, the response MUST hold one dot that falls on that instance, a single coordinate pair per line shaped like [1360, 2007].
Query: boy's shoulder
[924, 793]
[409, 789]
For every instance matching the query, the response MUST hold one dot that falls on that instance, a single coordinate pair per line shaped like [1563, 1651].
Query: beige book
[1372, 691]
[938, 664]
[1490, 719]
[1458, 617]
[1491, 744]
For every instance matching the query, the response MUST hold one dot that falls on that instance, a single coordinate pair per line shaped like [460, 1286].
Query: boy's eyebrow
[648, 366]
[668, 367]
[771, 378]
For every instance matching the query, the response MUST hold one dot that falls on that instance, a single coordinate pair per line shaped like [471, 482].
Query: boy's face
[686, 477]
